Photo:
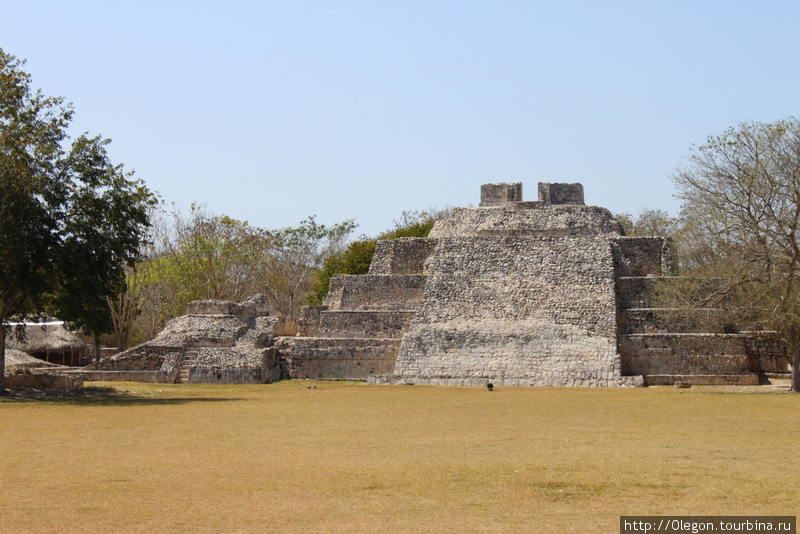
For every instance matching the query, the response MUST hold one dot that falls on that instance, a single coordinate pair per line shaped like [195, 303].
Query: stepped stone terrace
[547, 292]
[543, 293]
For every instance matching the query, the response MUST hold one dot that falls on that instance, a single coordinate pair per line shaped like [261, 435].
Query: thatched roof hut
[50, 342]
[16, 359]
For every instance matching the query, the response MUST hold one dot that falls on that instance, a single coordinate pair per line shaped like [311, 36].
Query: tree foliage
[739, 243]
[214, 257]
[196, 257]
[69, 219]
[649, 223]
[102, 224]
[298, 253]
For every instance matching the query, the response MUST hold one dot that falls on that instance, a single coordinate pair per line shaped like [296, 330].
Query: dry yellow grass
[355, 458]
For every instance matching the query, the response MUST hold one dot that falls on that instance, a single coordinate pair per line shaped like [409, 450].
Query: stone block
[550, 194]
[43, 381]
[500, 193]
[337, 358]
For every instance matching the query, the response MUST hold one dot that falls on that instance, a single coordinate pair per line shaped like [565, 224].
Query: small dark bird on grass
[490, 386]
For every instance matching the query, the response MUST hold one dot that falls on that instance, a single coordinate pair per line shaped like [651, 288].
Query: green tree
[355, 259]
[49, 197]
[202, 257]
[217, 257]
[103, 220]
[741, 232]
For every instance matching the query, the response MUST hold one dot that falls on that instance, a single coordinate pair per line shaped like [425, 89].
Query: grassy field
[328, 457]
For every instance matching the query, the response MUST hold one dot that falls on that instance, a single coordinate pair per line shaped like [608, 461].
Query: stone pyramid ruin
[512, 292]
[545, 293]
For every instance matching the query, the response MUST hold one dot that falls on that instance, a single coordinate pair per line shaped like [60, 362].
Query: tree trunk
[795, 370]
[97, 351]
[3, 390]
[122, 344]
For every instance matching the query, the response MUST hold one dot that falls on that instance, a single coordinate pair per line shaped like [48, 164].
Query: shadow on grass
[97, 397]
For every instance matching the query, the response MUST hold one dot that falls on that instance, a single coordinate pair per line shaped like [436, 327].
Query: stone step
[671, 353]
[635, 291]
[702, 380]
[642, 256]
[316, 357]
[366, 292]
[683, 343]
[688, 364]
[406, 255]
[666, 320]
[189, 359]
[365, 324]
[690, 354]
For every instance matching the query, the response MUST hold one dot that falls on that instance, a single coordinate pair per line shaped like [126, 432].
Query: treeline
[204, 256]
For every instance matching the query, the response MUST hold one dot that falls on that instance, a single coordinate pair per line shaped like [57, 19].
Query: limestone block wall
[364, 324]
[121, 376]
[310, 316]
[357, 332]
[702, 354]
[406, 255]
[658, 320]
[685, 354]
[240, 365]
[550, 193]
[255, 306]
[535, 309]
[318, 357]
[375, 292]
[500, 193]
[635, 291]
[765, 352]
[564, 280]
[677, 343]
[43, 380]
[230, 347]
[148, 357]
[524, 353]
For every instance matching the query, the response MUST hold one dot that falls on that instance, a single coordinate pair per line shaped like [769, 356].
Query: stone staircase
[357, 333]
[189, 359]
[665, 352]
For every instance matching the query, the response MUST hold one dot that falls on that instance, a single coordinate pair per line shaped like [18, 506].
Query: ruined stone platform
[216, 342]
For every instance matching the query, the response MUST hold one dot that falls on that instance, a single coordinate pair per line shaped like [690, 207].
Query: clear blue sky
[270, 111]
